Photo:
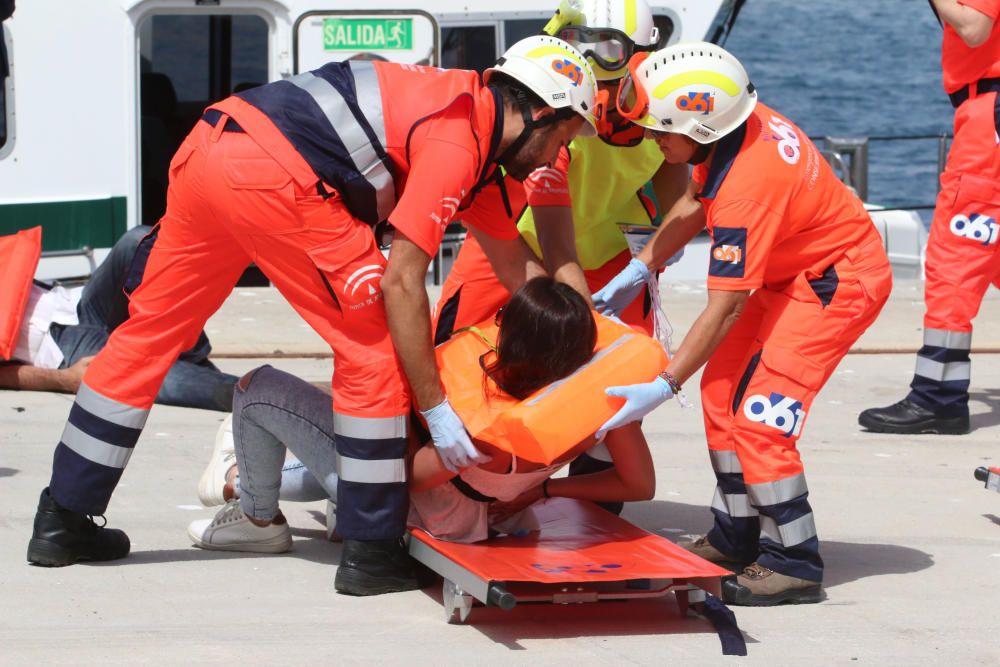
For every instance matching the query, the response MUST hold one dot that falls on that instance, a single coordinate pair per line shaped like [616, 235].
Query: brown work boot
[702, 548]
[759, 586]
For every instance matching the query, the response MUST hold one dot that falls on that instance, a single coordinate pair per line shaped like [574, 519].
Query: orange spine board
[558, 417]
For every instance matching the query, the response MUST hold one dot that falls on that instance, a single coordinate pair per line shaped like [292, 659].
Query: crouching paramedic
[797, 272]
[575, 203]
[293, 176]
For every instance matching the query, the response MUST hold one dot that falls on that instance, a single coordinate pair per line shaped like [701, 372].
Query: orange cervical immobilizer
[555, 419]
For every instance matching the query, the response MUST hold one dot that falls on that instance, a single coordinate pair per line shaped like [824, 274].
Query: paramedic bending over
[293, 175]
[785, 228]
[547, 331]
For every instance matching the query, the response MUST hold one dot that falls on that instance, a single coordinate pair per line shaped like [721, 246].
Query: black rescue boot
[373, 567]
[909, 418]
[63, 537]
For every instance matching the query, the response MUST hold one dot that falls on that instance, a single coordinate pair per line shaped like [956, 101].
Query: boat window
[516, 30]
[187, 63]
[469, 47]
[666, 26]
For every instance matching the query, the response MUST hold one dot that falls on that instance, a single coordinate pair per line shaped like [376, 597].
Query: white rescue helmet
[606, 32]
[696, 89]
[554, 71]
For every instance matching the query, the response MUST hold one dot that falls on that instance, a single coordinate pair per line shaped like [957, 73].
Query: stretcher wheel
[457, 603]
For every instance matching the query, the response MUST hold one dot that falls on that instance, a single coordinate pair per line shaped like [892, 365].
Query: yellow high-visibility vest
[605, 184]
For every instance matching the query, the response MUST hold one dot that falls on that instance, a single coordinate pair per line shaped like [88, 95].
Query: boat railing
[849, 158]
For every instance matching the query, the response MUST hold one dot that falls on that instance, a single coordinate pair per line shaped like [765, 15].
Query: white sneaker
[213, 480]
[231, 530]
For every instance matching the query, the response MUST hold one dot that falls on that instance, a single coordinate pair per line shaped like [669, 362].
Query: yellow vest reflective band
[604, 184]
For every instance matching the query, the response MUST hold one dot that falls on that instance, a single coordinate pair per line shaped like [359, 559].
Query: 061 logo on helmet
[975, 227]
[703, 103]
[781, 412]
[568, 69]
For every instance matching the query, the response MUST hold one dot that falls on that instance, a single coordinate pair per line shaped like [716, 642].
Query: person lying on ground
[547, 331]
[63, 329]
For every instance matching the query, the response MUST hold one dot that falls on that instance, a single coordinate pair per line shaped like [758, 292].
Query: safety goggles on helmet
[632, 100]
[608, 47]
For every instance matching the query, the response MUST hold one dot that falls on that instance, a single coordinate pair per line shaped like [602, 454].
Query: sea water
[855, 68]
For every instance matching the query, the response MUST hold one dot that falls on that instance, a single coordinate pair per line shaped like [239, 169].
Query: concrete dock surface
[911, 540]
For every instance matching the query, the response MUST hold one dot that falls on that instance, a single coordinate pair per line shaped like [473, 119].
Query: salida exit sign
[375, 34]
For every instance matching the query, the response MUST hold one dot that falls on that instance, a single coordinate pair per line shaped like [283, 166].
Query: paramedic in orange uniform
[294, 175]
[962, 251]
[575, 203]
[797, 272]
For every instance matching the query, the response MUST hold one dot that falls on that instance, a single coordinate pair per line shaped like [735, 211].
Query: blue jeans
[272, 411]
[193, 380]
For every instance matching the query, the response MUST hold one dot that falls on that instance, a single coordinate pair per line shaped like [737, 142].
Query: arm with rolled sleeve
[512, 260]
[552, 209]
[431, 197]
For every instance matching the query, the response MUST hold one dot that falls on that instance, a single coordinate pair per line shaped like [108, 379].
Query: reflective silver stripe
[593, 360]
[356, 141]
[939, 372]
[725, 461]
[791, 533]
[734, 504]
[95, 450]
[369, 428]
[953, 340]
[778, 491]
[110, 410]
[381, 471]
[369, 95]
[600, 452]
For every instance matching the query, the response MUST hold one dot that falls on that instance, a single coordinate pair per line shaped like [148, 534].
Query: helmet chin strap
[530, 125]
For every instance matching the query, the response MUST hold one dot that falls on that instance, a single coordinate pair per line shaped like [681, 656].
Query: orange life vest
[558, 417]
[19, 255]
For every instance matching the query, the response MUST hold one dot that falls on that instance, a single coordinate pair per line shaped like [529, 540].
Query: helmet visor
[607, 47]
[632, 101]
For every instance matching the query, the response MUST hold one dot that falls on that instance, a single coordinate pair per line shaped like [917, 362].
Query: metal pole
[859, 169]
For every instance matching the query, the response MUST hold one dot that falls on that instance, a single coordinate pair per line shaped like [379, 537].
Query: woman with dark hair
[546, 332]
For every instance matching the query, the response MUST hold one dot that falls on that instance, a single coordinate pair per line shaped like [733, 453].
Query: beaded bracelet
[675, 386]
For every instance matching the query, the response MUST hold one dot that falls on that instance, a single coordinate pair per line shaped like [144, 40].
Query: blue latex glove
[451, 439]
[622, 289]
[640, 400]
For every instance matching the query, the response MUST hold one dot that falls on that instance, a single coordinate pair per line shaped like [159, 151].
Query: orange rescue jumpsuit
[785, 227]
[292, 176]
[962, 251]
